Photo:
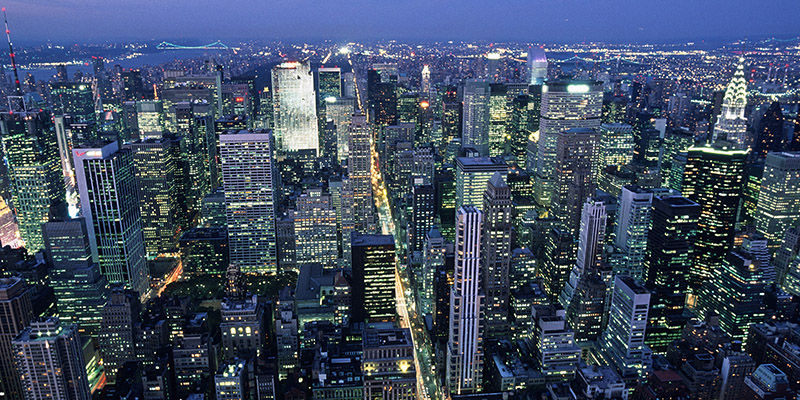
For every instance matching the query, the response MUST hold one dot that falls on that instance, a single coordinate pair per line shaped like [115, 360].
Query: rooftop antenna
[14, 102]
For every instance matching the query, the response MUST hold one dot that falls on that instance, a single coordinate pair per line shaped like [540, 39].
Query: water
[161, 57]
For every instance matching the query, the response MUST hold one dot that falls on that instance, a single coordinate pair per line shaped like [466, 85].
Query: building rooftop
[371, 240]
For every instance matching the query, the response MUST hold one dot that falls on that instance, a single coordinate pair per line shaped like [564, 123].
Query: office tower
[475, 119]
[422, 215]
[778, 207]
[731, 124]
[73, 98]
[464, 372]
[340, 111]
[518, 129]
[769, 133]
[736, 294]
[498, 119]
[133, 86]
[496, 254]
[667, 266]
[286, 334]
[591, 239]
[388, 364]
[735, 367]
[537, 65]
[433, 261]
[767, 382]
[425, 81]
[359, 171]
[556, 354]
[382, 96]
[633, 225]
[79, 287]
[787, 252]
[247, 176]
[373, 280]
[150, 119]
[616, 146]
[204, 251]
[329, 84]
[623, 341]
[565, 105]
[713, 178]
[199, 155]
[117, 335]
[559, 259]
[49, 358]
[242, 327]
[158, 174]
[106, 179]
[315, 229]
[193, 360]
[16, 311]
[472, 175]
[294, 108]
[34, 171]
[573, 180]
[231, 381]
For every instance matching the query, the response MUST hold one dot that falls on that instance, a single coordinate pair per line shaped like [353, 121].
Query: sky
[79, 21]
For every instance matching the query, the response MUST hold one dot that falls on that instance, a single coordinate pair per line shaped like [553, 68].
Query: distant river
[147, 59]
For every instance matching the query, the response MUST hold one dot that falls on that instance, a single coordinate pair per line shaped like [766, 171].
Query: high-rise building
[573, 179]
[243, 328]
[591, 239]
[106, 178]
[117, 336]
[388, 364]
[565, 105]
[464, 360]
[49, 359]
[231, 380]
[34, 170]
[767, 382]
[286, 334]
[736, 294]
[80, 289]
[472, 175]
[713, 178]
[340, 111]
[422, 215]
[623, 340]
[315, 229]
[359, 172]
[667, 266]
[556, 353]
[560, 252]
[475, 119]
[294, 107]
[158, 173]
[498, 118]
[731, 124]
[433, 260]
[247, 176]
[73, 98]
[633, 225]
[537, 65]
[16, 312]
[616, 146]
[769, 132]
[382, 96]
[150, 119]
[778, 207]
[329, 84]
[373, 266]
[496, 254]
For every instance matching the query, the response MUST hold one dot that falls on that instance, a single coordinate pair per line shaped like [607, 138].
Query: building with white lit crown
[731, 124]
[295, 109]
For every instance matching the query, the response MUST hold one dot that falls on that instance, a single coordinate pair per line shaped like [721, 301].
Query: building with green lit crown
[736, 294]
[35, 173]
[778, 207]
[713, 178]
[667, 264]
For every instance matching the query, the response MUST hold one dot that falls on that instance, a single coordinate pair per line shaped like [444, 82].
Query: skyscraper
[294, 107]
[158, 174]
[247, 176]
[79, 287]
[433, 261]
[110, 204]
[615, 147]
[49, 358]
[472, 175]
[16, 311]
[573, 179]
[475, 119]
[731, 124]
[591, 239]
[34, 169]
[623, 340]
[315, 230]
[496, 254]
[73, 98]
[329, 83]
[373, 278]
[359, 172]
[668, 265]
[633, 225]
[769, 132]
[465, 345]
[713, 178]
[565, 105]
[422, 215]
[388, 364]
[537, 65]
[778, 207]
[117, 336]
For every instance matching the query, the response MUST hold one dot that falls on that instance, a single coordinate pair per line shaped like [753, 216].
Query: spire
[735, 98]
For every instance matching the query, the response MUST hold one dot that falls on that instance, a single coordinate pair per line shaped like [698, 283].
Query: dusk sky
[527, 20]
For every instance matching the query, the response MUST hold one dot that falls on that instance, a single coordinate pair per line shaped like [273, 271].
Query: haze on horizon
[66, 21]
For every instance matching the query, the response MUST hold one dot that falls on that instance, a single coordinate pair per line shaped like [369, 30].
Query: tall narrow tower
[496, 254]
[732, 124]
